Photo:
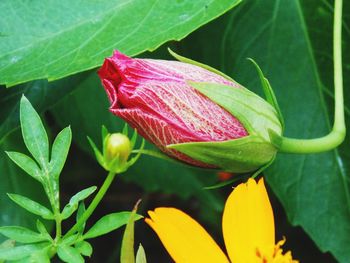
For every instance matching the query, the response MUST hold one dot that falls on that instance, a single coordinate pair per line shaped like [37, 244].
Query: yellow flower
[247, 224]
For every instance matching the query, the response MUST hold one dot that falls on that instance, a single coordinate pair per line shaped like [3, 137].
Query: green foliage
[108, 223]
[84, 248]
[69, 254]
[31, 206]
[97, 27]
[41, 246]
[73, 204]
[291, 40]
[314, 189]
[21, 252]
[127, 250]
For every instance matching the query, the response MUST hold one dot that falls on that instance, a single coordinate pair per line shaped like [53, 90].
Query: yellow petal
[248, 223]
[184, 239]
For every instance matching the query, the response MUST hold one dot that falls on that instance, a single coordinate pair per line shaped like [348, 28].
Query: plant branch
[337, 135]
[106, 184]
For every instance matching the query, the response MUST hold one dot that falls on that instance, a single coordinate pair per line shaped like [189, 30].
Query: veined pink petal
[153, 96]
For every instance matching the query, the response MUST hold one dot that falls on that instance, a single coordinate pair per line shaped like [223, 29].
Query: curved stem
[106, 184]
[337, 135]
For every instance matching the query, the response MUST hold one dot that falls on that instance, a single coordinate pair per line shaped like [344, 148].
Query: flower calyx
[116, 150]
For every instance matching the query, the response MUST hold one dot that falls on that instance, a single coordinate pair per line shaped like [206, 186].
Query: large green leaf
[313, 188]
[53, 39]
[87, 109]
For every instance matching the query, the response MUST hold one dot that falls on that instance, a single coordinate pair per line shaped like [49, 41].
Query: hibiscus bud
[118, 145]
[163, 100]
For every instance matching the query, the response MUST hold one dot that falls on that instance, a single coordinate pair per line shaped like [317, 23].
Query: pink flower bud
[153, 96]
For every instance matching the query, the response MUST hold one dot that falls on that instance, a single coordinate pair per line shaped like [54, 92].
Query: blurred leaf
[69, 254]
[74, 201]
[39, 256]
[313, 188]
[87, 110]
[41, 94]
[141, 255]
[35, 51]
[60, 150]
[20, 252]
[84, 248]
[31, 206]
[26, 163]
[7, 244]
[21, 234]
[34, 133]
[109, 223]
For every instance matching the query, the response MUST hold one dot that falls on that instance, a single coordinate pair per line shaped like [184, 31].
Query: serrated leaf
[109, 223]
[33, 132]
[69, 254]
[84, 248]
[21, 234]
[17, 253]
[141, 255]
[60, 150]
[26, 163]
[74, 201]
[31, 206]
[131, 26]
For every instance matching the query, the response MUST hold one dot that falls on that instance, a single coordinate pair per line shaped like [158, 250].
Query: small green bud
[118, 145]
[116, 150]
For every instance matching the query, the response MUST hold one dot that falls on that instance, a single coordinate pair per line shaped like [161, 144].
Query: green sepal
[196, 63]
[268, 91]
[241, 155]
[257, 116]
[98, 154]
[116, 164]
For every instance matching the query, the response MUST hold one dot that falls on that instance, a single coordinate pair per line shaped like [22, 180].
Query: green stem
[58, 227]
[337, 135]
[106, 184]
